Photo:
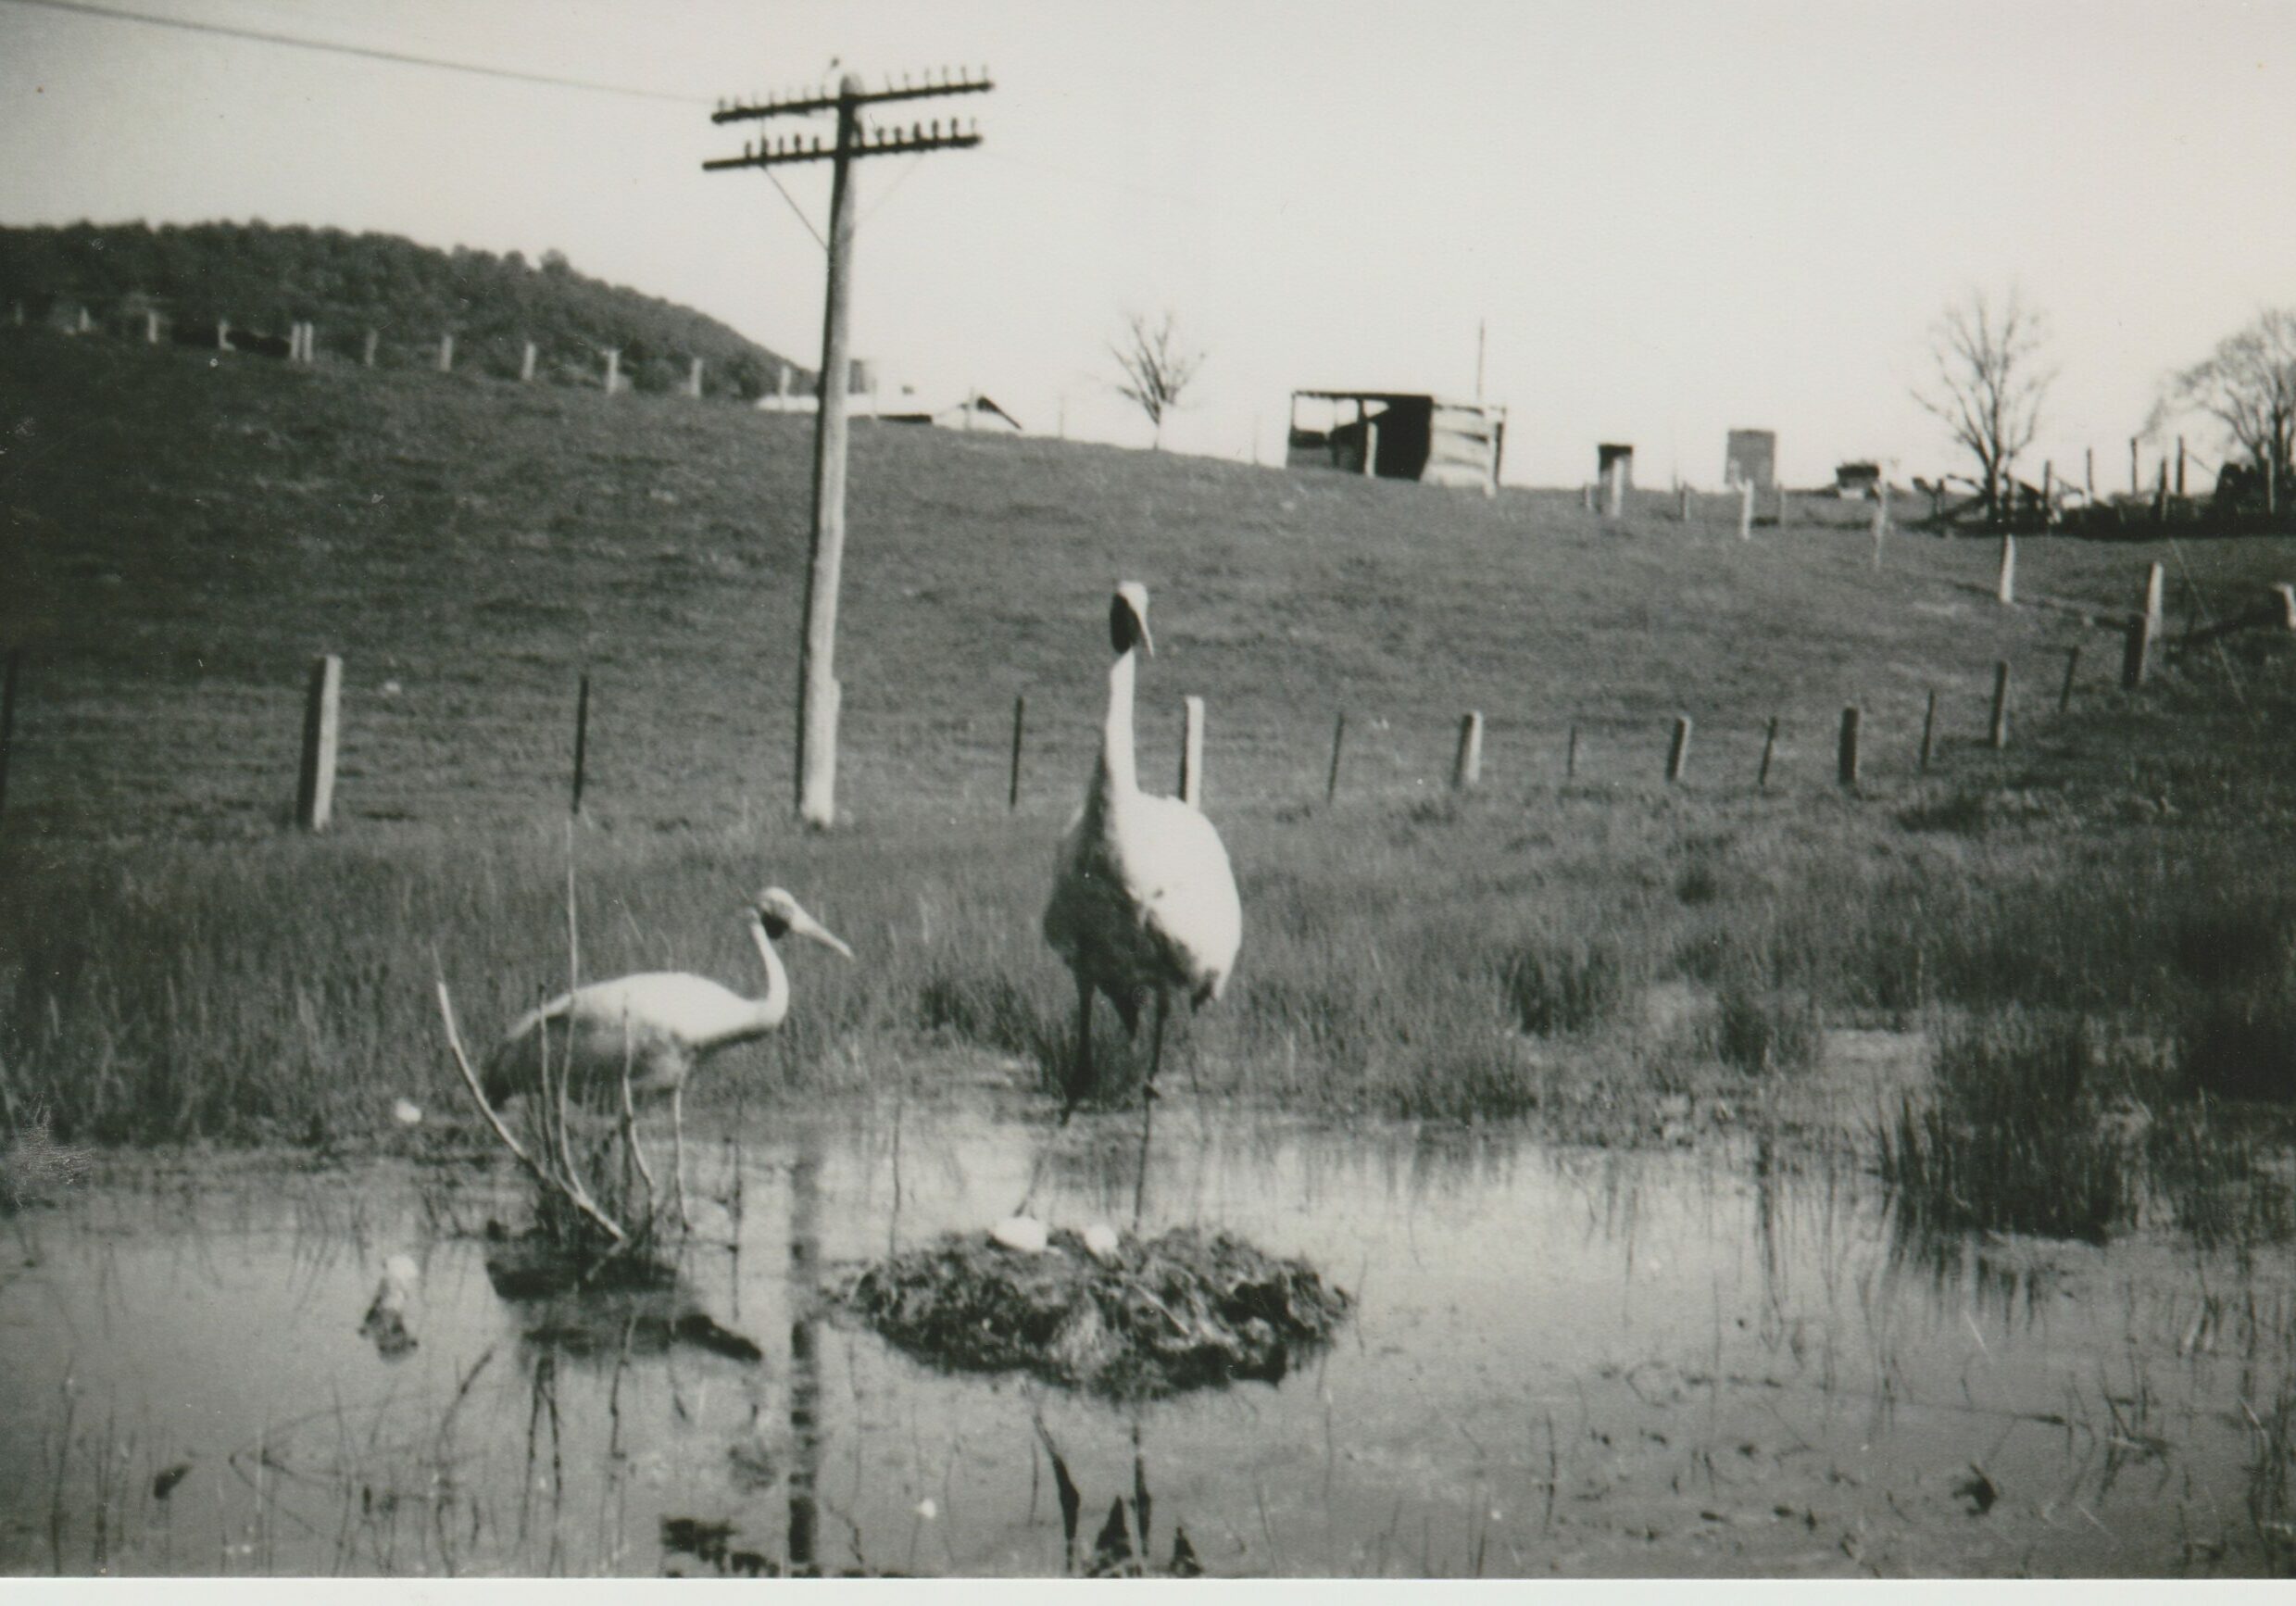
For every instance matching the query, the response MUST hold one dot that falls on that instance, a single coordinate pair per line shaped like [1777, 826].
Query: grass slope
[181, 536]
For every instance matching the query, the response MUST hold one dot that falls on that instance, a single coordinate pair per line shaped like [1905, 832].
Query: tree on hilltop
[2248, 385]
[1157, 365]
[1991, 379]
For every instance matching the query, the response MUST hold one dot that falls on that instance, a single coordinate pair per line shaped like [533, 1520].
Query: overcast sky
[1673, 219]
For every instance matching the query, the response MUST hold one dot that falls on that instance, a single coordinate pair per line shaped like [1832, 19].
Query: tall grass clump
[2240, 1043]
[2010, 1138]
[1555, 988]
[1760, 1030]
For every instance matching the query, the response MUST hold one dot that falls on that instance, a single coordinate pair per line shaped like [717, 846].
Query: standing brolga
[655, 1027]
[1144, 902]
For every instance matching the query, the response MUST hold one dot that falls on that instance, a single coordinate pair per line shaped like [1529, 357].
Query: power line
[401, 57]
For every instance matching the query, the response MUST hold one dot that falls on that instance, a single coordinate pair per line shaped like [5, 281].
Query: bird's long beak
[1148, 642]
[804, 924]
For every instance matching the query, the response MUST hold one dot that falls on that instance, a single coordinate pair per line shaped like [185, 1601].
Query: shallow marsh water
[1701, 1359]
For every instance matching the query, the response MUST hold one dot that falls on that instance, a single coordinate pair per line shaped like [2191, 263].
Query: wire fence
[84, 754]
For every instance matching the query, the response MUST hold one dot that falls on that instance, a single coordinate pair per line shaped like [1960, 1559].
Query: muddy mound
[1182, 1312]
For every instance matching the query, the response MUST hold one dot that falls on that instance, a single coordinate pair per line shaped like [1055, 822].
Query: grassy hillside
[186, 535]
[182, 534]
[263, 280]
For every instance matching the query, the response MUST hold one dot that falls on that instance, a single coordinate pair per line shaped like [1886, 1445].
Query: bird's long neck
[1115, 777]
[772, 1010]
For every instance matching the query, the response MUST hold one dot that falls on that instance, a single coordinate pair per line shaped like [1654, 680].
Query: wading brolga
[660, 1024]
[1144, 902]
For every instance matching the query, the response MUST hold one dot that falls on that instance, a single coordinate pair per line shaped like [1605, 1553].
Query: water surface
[1685, 1360]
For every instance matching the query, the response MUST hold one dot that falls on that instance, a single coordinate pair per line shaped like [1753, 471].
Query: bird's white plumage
[656, 1023]
[660, 1021]
[1143, 900]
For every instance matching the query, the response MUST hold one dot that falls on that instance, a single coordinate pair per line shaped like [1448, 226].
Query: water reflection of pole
[805, 1369]
[1767, 1219]
[1139, 1185]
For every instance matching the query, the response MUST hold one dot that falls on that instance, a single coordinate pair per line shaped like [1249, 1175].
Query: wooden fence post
[2134, 489]
[366, 352]
[2072, 667]
[1467, 768]
[526, 365]
[1338, 740]
[582, 740]
[315, 787]
[2005, 587]
[446, 354]
[1769, 746]
[1881, 517]
[1678, 751]
[2088, 472]
[1929, 729]
[2142, 629]
[1996, 730]
[1192, 752]
[1020, 722]
[693, 380]
[1746, 509]
[1851, 717]
[7, 719]
[613, 370]
[1570, 756]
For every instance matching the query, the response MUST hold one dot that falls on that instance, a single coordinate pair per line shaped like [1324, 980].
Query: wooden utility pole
[817, 676]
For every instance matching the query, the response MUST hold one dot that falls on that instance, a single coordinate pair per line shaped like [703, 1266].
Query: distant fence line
[1584, 750]
[597, 367]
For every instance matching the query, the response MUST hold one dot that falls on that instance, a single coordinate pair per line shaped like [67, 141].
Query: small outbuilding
[1856, 481]
[1615, 458]
[1751, 458]
[1398, 435]
[972, 412]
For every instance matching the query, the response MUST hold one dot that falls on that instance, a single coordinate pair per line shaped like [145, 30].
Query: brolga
[1144, 902]
[657, 1025]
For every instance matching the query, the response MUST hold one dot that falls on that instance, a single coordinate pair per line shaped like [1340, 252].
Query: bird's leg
[1156, 1043]
[1139, 1184]
[1080, 1074]
[631, 1154]
[677, 1150]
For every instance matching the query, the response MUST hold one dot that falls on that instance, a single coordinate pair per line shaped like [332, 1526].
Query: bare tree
[1157, 365]
[2247, 383]
[1990, 381]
